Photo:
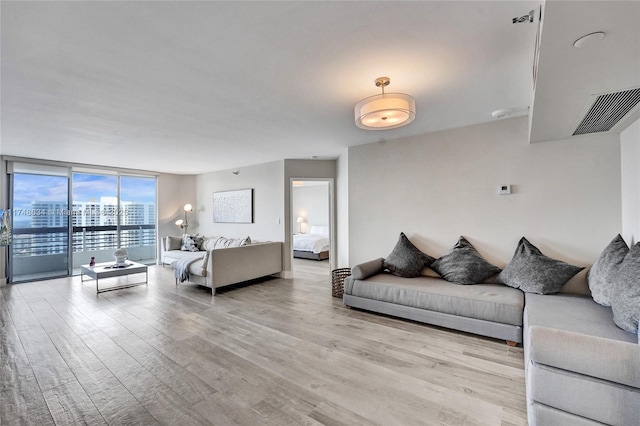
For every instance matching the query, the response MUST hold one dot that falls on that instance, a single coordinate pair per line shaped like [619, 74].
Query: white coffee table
[109, 270]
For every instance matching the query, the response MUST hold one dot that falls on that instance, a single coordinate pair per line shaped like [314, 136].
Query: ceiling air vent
[607, 110]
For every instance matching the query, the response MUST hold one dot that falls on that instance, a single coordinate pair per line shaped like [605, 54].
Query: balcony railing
[91, 238]
[39, 241]
[53, 240]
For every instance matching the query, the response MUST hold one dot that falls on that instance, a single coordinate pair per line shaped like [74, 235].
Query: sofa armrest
[606, 359]
[367, 269]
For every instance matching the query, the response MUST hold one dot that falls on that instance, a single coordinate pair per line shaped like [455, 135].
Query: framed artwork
[233, 206]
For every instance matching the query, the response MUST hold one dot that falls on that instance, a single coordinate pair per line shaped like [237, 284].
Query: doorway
[312, 223]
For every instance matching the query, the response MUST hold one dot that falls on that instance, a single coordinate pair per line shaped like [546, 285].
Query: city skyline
[39, 189]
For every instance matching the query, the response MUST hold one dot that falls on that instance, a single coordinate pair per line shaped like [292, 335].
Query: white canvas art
[233, 206]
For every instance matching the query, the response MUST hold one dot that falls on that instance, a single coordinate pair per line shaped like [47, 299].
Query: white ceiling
[569, 77]
[191, 87]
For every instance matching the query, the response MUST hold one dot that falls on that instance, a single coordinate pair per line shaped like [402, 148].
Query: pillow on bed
[320, 230]
[464, 265]
[533, 272]
[406, 260]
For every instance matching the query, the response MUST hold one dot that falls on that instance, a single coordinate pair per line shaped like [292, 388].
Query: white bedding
[315, 243]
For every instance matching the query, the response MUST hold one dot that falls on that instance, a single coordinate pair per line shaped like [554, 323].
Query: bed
[313, 245]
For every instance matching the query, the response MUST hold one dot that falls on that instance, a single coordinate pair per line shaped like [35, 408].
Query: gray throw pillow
[601, 274]
[464, 265]
[174, 243]
[625, 295]
[406, 260]
[533, 272]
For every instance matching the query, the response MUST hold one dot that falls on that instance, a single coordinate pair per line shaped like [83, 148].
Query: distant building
[95, 226]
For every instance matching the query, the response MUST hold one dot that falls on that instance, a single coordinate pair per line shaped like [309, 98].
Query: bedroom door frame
[332, 218]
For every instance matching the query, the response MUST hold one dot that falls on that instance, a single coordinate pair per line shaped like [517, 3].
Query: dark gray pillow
[464, 265]
[625, 295]
[533, 272]
[406, 260]
[601, 274]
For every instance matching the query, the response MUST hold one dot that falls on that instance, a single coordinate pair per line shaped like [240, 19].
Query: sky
[28, 188]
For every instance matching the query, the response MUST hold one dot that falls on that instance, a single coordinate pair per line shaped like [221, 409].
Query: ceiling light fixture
[385, 111]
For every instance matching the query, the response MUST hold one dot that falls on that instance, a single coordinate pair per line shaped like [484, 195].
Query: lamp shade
[300, 219]
[385, 111]
[188, 207]
[179, 222]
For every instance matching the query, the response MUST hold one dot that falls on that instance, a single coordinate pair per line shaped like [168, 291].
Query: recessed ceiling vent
[607, 110]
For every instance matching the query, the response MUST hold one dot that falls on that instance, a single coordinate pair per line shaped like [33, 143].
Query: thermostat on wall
[504, 190]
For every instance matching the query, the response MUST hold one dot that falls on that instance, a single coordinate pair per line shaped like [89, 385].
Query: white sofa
[218, 267]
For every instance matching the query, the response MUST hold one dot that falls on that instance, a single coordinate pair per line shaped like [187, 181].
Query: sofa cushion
[215, 243]
[406, 260]
[625, 296]
[367, 269]
[489, 302]
[584, 396]
[600, 357]
[600, 276]
[173, 243]
[533, 272]
[191, 242]
[464, 265]
[575, 313]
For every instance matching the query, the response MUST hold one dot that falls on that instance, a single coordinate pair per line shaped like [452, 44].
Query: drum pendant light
[385, 111]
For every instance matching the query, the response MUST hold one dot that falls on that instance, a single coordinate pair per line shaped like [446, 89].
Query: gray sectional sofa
[581, 368]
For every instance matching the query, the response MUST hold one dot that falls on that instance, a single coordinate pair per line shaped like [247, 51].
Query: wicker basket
[337, 281]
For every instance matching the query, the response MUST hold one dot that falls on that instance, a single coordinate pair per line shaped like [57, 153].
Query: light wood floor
[280, 352]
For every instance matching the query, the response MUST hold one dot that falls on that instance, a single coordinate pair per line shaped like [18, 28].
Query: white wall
[311, 203]
[630, 170]
[174, 191]
[342, 209]
[268, 192]
[436, 187]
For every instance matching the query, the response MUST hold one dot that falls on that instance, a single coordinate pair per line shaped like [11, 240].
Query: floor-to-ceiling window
[62, 218]
[95, 217]
[112, 211]
[138, 216]
[40, 206]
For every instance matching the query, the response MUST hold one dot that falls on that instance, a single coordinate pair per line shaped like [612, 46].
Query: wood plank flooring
[279, 352]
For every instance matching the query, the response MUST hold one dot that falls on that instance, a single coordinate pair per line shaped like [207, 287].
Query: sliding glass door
[138, 217]
[95, 217]
[40, 210]
[110, 212]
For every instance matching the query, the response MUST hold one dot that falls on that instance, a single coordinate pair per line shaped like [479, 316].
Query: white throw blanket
[181, 267]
